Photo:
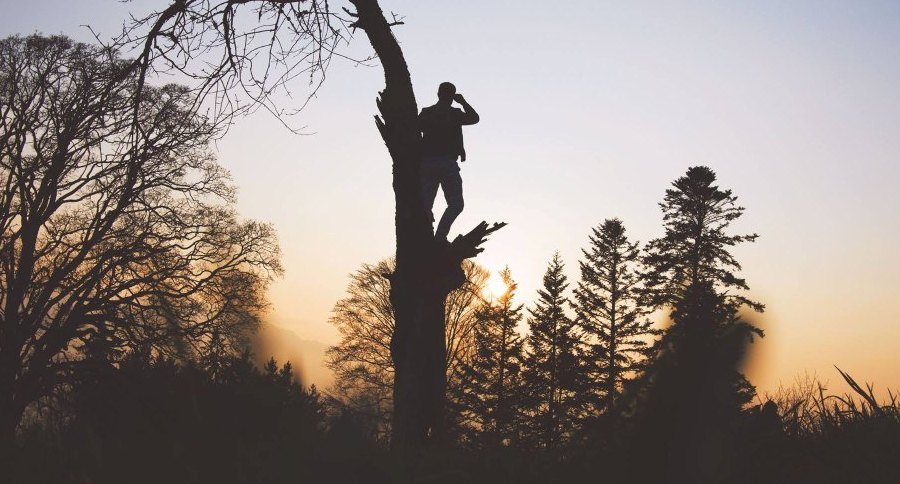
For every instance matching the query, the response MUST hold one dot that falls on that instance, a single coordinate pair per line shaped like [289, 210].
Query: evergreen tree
[692, 272]
[609, 308]
[695, 247]
[693, 392]
[551, 371]
[491, 400]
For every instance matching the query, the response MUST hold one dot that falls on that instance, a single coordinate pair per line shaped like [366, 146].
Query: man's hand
[469, 114]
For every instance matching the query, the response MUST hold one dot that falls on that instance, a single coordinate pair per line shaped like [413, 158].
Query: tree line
[591, 354]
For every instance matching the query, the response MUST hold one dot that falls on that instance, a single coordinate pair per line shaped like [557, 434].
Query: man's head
[446, 91]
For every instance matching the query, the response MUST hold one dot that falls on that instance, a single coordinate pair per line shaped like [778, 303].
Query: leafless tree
[361, 361]
[108, 234]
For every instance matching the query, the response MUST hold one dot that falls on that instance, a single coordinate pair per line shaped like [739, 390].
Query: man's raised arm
[469, 115]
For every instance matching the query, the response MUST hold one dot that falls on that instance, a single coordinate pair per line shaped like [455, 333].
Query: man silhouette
[442, 144]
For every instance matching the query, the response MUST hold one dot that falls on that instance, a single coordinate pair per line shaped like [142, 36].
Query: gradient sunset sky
[589, 110]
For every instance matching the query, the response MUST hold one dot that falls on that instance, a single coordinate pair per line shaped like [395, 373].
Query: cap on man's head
[446, 90]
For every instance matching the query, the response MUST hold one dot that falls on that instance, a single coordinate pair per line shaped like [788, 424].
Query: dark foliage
[134, 415]
[155, 420]
[688, 404]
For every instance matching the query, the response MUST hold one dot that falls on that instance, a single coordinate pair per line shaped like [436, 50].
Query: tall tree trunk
[425, 272]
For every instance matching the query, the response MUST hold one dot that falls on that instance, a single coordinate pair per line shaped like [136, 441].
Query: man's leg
[451, 184]
[430, 180]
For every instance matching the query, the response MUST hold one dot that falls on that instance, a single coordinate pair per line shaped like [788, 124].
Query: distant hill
[306, 356]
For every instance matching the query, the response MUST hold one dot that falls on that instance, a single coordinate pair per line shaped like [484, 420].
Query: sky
[589, 110]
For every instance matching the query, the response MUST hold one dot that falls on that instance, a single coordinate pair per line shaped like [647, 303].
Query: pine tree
[491, 400]
[610, 310]
[695, 247]
[693, 273]
[693, 392]
[551, 371]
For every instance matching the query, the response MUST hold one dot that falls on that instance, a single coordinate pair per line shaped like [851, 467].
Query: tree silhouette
[695, 247]
[111, 240]
[552, 371]
[692, 271]
[693, 392]
[490, 399]
[610, 309]
[289, 38]
[361, 361]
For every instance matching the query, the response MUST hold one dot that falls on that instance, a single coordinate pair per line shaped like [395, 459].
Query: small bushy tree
[171, 419]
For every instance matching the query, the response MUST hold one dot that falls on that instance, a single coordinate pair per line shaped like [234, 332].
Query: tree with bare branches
[241, 52]
[117, 223]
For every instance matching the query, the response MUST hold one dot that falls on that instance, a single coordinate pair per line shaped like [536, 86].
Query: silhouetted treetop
[610, 309]
[696, 245]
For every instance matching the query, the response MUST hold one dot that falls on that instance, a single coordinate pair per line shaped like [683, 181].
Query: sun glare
[495, 286]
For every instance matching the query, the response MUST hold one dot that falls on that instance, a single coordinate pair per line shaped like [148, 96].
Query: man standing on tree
[442, 144]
